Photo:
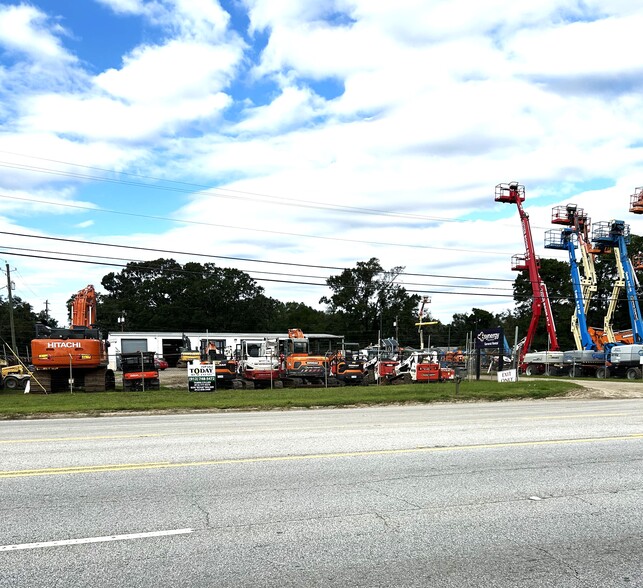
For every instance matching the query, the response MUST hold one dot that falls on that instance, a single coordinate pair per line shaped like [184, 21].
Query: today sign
[201, 378]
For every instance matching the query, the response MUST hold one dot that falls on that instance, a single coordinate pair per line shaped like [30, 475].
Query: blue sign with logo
[489, 338]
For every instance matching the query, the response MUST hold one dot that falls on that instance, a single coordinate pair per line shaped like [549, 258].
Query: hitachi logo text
[64, 344]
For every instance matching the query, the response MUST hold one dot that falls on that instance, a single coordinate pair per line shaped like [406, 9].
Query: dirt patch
[607, 389]
[174, 378]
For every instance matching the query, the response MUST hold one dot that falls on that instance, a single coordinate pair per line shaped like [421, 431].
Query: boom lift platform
[636, 201]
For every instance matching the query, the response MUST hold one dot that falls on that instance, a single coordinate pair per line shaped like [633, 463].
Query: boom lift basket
[511, 192]
[558, 238]
[636, 201]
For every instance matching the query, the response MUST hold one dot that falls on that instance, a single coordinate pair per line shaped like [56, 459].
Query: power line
[129, 260]
[238, 228]
[189, 187]
[432, 289]
[228, 258]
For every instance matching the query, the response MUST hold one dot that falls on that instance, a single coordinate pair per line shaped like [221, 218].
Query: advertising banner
[489, 338]
[201, 378]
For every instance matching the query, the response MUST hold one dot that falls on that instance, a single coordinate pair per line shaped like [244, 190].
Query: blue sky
[315, 134]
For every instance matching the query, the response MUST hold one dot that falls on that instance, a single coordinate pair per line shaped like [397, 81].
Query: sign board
[490, 338]
[507, 376]
[202, 378]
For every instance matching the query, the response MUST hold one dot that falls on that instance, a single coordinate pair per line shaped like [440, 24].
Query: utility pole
[11, 324]
[47, 310]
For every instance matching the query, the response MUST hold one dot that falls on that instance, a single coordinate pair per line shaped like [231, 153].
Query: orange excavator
[72, 358]
[300, 367]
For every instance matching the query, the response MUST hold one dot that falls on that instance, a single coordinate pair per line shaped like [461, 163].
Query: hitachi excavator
[74, 358]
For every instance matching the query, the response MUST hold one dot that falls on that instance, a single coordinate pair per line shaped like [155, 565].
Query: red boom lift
[514, 193]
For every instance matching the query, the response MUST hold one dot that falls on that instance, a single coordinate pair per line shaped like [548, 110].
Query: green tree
[24, 321]
[299, 315]
[366, 302]
[479, 319]
[163, 295]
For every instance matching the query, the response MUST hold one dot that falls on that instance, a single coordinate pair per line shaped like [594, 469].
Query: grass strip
[17, 405]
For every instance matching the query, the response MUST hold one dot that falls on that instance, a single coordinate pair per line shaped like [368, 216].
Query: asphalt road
[512, 494]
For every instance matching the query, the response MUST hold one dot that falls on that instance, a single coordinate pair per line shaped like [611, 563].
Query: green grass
[17, 405]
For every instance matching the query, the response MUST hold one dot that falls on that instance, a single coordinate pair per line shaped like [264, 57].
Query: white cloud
[199, 19]
[440, 101]
[293, 107]
[175, 71]
[26, 30]
[105, 119]
[85, 224]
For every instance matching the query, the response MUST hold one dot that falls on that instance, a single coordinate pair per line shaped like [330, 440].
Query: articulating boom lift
[515, 193]
[567, 239]
[623, 360]
[616, 234]
[586, 284]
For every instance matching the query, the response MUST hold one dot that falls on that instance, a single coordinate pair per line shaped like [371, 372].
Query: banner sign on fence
[507, 376]
[201, 378]
[490, 338]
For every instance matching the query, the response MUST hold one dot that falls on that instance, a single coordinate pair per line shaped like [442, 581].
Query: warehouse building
[170, 345]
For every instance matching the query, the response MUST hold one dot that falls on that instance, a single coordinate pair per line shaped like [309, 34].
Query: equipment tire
[575, 372]
[11, 383]
[603, 373]
[530, 370]
[633, 374]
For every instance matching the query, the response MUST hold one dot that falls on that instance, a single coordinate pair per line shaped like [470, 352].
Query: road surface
[511, 494]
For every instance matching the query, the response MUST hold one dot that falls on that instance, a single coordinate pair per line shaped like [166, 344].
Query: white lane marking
[94, 540]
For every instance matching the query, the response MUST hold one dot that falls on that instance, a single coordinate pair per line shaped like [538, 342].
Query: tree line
[365, 303]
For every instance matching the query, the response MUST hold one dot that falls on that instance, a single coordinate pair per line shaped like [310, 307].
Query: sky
[292, 139]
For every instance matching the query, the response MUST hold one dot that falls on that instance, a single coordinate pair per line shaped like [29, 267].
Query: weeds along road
[511, 494]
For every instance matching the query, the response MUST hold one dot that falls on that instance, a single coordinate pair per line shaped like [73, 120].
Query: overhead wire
[188, 187]
[6, 248]
[238, 228]
[229, 258]
[432, 289]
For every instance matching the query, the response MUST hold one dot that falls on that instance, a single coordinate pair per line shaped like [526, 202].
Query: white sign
[507, 376]
[201, 371]
[201, 377]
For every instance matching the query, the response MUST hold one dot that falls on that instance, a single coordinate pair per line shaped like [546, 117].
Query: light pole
[14, 347]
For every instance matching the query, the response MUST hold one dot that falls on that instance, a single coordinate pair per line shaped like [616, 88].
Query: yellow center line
[286, 458]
